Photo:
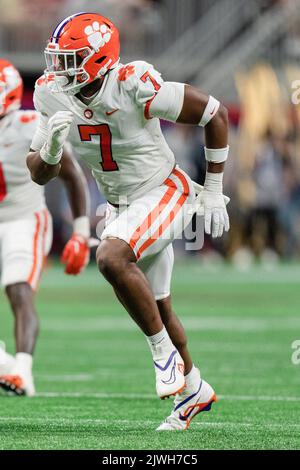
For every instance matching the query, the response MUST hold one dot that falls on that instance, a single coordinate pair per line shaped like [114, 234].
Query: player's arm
[206, 111]
[76, 253]
[74, 181]
[40, 171]
[54, 159]
[202, 110]
[188, 105]
[47, 145]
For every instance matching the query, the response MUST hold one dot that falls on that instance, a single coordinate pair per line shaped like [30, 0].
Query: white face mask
[66, 69]
[10, 80]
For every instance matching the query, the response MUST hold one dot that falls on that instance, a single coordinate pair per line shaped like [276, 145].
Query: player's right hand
[211, 206]
[216, 219]
[58, 129]
[76, 254]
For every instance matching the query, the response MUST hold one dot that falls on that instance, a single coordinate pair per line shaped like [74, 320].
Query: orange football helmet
[11, 88]
[82, 48]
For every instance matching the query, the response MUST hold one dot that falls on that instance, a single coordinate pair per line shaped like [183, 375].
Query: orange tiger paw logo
[25, 118]
[125, 72]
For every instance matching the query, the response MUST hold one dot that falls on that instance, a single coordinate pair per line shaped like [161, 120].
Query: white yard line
[66, 377]
[129, 396]
[147, 396]
[194, 323]
[141, 423]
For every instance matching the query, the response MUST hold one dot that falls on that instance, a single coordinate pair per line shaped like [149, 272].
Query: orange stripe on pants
[45, 212]
[168, 219]
[154, 214]
[181, 177]
[35, 248]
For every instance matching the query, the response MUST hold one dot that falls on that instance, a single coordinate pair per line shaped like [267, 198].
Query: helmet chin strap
[104, 69]
[62, 81]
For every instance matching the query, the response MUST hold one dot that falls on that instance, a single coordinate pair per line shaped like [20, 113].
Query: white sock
[160, 344]
[192, 377]
[23, 365]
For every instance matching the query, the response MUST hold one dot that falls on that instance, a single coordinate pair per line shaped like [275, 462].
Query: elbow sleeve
[167, 103]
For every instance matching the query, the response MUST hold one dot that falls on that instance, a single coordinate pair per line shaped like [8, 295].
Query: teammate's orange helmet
[11, 88]
[82, 47]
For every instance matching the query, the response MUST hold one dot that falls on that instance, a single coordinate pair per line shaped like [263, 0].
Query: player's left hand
[76, 254]
[216, 218]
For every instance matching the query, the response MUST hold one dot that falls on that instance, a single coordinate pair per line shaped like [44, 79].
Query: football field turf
[95, 379]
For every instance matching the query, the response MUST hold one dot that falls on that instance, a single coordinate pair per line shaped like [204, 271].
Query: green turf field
[95, 379]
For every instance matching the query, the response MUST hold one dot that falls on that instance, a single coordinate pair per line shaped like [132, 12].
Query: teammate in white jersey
[110, 113]
[26, 228]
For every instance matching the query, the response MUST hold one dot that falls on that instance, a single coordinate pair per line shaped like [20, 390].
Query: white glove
[58, 129]
[211, 203]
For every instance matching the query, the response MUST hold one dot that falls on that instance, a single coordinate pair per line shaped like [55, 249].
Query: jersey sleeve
[157, 98]
[40, 96]
[40, 135]
[148, 82]
[27, 124]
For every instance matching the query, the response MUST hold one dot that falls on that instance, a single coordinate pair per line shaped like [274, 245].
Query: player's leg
[21, 299]
[158, 270]
[20, 296]
[117, 263]
[24, 248]
[135, 234]
[176, 331]
[6, 360]
[198, 394]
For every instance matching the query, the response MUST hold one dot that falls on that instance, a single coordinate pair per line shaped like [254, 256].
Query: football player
[110, 112]
[26, 227]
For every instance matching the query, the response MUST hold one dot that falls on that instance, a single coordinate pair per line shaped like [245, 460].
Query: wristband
[214, 182]
[81, 226]
[50, 159]
[216, 155]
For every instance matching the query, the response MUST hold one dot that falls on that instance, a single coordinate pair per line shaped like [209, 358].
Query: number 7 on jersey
[103, 131]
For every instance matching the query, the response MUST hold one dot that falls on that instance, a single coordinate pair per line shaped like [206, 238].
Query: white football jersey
[20, 197]
[114, 134]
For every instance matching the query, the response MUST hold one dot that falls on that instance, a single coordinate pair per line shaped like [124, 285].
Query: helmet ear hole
[99, 61]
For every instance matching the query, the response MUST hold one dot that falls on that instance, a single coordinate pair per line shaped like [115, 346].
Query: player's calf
[116, 261]
[175, 330]
[20, 296]
[19, 380]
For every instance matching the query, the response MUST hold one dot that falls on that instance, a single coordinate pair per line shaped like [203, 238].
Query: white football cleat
[16, 385]
[169, 375]
[188, 405]
[7, 361]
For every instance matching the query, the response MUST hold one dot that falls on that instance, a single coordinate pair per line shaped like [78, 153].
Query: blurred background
[245, 54]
